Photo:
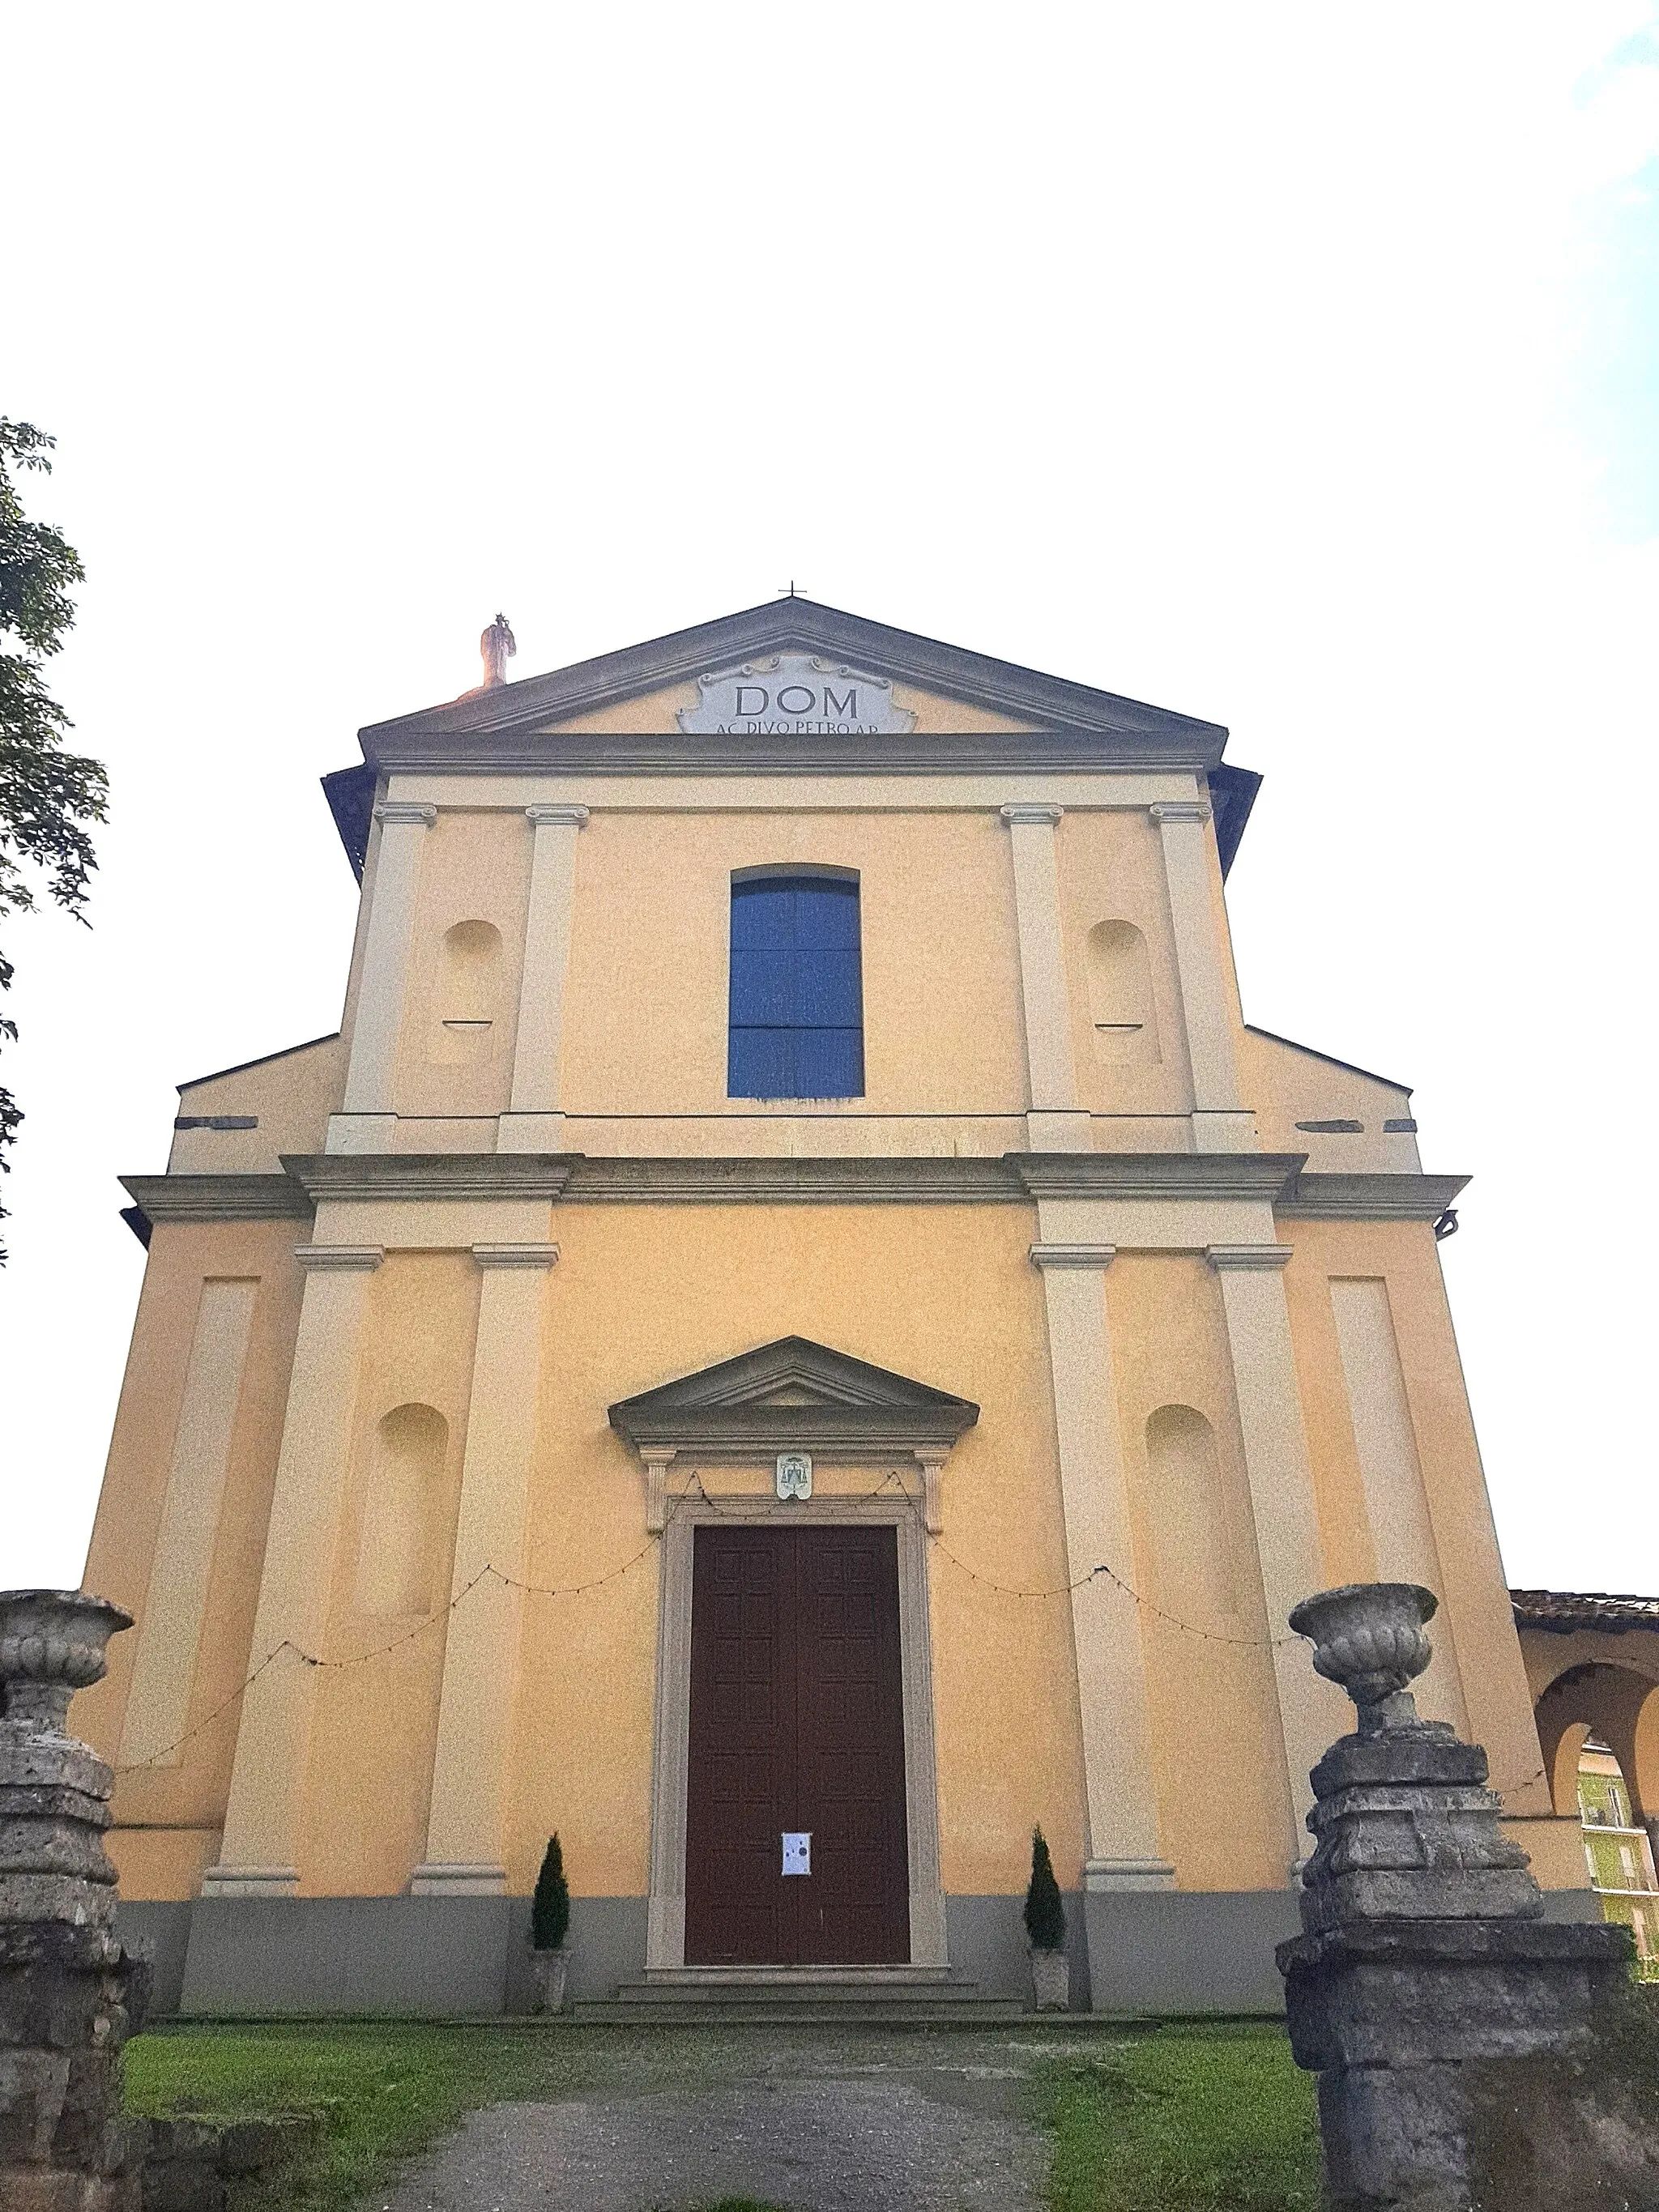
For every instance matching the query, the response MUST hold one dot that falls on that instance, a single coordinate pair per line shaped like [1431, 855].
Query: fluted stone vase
[70, 1995]
[1424, 1952]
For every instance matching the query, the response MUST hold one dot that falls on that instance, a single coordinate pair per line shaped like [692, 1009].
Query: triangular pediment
[673, 701]
[793, 1392]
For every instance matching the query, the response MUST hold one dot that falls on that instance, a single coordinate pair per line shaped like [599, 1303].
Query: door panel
[797, 1723]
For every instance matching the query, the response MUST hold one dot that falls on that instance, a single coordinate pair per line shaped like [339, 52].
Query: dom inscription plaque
[794, 695]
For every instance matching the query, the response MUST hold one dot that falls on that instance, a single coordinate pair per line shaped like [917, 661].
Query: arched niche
[1121, 1006]
[397, 1548]
[1196, 1574]
[467, 994]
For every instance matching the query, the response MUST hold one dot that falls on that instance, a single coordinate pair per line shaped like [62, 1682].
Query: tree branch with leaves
[47, 796]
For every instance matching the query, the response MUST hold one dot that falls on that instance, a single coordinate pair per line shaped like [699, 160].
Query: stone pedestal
[1424, 1955]
[70, 1995]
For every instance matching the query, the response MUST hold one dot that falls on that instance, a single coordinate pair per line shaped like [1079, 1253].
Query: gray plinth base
[986, 1936]
[1398, 2019]
[1187, 1951]
[428, 1957]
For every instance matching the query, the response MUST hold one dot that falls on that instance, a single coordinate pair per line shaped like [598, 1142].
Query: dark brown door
[796, 1724]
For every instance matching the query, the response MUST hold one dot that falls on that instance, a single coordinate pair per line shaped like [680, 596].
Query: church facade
[794, 1322]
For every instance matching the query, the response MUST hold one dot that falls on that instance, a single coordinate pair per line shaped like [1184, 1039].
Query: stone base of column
[1214, 1131]
[1403, 2023]
[458, 1878]
[1102, 1876]
[530, 1133]
[360, 1133]
[1058, 1131]
[251, 1881]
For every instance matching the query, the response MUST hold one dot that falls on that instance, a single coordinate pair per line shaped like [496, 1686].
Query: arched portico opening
[1598, 1729]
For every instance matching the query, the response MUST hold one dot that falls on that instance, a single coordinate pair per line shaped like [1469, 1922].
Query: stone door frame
[670, 1733]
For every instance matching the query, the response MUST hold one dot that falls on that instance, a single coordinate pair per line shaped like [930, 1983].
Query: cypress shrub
[549, 1908]
[1045, 1916]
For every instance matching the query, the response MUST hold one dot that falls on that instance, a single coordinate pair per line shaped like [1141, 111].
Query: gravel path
[942, 2138]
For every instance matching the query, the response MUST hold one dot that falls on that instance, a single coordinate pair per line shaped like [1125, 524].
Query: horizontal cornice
[578, 1178]
[1154, 1175]
[430, 1174]
[1368, 1197]
[631, 752]
[217, 1197]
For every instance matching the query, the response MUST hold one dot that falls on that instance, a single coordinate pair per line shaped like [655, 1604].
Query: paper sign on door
[797, 1852]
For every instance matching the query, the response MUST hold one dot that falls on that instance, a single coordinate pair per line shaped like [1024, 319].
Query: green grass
[1187, 2120]
[1190, 2118]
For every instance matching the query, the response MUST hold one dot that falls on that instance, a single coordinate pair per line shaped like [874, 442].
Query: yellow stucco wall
[169, 1816]
[648, 1291]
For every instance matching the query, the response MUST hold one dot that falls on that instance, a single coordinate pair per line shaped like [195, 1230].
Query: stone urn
[69, 1993]
[1369, 1638]
[1051, 1980]
[547, 1973]
[53, 1642]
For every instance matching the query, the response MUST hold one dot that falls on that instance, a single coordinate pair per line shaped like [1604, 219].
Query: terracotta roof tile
[1561, 1612]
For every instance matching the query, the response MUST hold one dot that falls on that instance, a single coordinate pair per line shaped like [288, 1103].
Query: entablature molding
[578, 1178]
[1362, 1197]
[218, 1197]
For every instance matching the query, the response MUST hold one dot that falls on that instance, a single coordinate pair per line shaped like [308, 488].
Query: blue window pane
[763, 915]
[827, 993]
[797, 999]
[829, 1064]
[828, 915]
[762, 987]
[760, 1064]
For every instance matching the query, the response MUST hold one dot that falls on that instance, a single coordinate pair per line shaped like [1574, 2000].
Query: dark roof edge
[1329, 1057]
[264, 1061]
[683, 655]
[350, 795]
[1563, 1613]
[1232, 794]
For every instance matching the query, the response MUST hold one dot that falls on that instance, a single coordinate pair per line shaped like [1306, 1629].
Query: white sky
[1291, 366]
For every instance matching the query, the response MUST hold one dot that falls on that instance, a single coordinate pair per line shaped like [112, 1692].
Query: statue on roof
[497, 645]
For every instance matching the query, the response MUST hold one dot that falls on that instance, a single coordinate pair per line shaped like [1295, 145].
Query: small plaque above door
[797, 1850]
[795, 1474]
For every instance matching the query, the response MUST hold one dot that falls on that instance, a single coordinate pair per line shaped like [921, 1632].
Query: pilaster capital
[1074, 1256]
[515, 1255]
[406, 810]
[1247, 1257]
[1030, 809]
[567, 817]
[1180, 810]
[339, 1259]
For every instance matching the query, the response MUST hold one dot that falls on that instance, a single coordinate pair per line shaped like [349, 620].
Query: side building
[795, 1306]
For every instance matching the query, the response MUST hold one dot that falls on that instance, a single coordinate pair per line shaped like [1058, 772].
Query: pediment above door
[793, 1394]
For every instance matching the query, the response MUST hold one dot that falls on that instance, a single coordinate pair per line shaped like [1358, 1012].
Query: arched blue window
[797, 1009]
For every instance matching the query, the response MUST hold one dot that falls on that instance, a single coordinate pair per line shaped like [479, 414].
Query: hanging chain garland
[891, 1483]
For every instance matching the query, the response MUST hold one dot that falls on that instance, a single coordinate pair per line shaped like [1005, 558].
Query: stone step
[872, 1986]
[793, 1993]
[803, 2011]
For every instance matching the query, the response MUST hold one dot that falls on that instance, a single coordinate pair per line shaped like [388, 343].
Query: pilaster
[1111, 1668]
[466, 1841]
[535, 1122]
[367, 1116]
[1282, 1505]
[1055, 1122]
[1221, 1122]
[259, 1850]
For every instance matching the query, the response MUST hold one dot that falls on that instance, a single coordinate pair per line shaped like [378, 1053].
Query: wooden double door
[797, 1726]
